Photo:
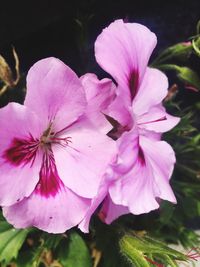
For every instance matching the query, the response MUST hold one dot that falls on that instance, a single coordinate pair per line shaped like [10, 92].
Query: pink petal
[136, 190]
[157, 120]
[123, 50]
[120, 110]
[148, 179]
[82, 164]
[99, 95]
[128, 152]
[54, 214]
[55, 93]
[96, 201]
[162, 165]
[150, 134]
[111, 211]
[152, 91]
[18, 175]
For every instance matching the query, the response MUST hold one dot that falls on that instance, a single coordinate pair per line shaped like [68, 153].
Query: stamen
[50, 137]
[64, 139]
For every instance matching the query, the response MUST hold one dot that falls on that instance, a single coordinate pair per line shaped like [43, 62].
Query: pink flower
[52, 157]
[145, 163]
[99, 95]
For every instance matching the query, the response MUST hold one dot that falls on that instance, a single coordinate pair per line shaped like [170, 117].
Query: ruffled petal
[82, 164]
[162, 165]
[148, 180]
[136, 190]
[123, 50]
[55, 93]
[20, 161]
[99, 95]
[54, 214]
[157, 120]
[152, 91]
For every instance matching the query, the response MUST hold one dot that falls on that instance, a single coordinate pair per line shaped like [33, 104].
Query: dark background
[45, 28]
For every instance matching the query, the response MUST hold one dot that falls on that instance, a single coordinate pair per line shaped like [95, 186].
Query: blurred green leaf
[11, 241]
[74, 252]
[180, 51]
[196, 45]
[184, 74]
[144, 251]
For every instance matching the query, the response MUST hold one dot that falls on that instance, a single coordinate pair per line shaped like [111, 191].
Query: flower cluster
[79, 142]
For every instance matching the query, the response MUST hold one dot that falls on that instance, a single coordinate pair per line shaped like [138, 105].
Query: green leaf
[144, 250]
[133, 254]
[11, 241]
[180, 51]
[189, 76]
[196, 46]
[74, 252]
[185, 74]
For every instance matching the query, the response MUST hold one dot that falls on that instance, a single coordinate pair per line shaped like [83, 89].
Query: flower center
[24, 152]
[49, 137]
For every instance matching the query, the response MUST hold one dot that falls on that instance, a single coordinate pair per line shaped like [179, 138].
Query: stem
[3, 89]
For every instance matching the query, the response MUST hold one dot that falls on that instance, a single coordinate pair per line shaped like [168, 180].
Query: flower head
[52, 158]
[145, 163]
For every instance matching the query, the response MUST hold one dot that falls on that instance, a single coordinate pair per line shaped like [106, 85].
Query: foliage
[11, 241]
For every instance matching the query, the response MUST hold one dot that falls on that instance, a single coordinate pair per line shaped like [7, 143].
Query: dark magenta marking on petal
[157, 120]
[133, 83]
[50, 182]
[21, 152]
[141, 156]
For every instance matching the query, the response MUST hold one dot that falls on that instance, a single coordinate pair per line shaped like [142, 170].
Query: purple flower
[140, 177]
[52, 157]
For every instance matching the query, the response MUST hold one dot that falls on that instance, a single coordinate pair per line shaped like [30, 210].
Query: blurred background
[68, 29]
[45, 28]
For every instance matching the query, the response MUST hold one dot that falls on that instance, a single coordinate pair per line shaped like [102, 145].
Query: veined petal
[157, 120]
[148, 180]
[82, 164]
[136, 190]
[162, 165]
[55, 93]
[99, 95]
[152, 91]
[20, 160]
[123, 50]
[54, 214]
